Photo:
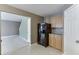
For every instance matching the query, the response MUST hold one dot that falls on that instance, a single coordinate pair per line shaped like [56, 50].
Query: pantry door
[0, 33]
[76, 44]
[0, 44]
[71, 30]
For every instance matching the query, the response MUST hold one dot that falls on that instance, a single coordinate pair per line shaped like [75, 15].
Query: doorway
[15, 32]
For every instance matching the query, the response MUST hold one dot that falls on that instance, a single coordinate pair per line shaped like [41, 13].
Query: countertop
[57, 31]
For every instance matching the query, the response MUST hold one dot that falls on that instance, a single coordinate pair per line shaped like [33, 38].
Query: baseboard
[8, 36]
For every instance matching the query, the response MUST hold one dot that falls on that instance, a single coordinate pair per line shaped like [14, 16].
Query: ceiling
[42, 9]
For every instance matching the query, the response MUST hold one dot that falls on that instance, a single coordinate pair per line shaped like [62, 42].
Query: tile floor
[11, 43]
[16, 46]
[35, 49]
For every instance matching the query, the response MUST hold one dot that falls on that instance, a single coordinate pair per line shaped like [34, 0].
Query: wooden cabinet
[62, 43]
[55, 41]
[53, 21]
[57, 21]
[51, 40]
[58, 41]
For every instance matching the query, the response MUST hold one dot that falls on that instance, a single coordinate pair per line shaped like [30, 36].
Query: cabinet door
[51, 40]
[57, 21]
[53, 21]
[62, 43]
[58, 41]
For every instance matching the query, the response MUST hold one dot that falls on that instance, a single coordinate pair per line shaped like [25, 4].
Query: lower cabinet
[58, 41]
[51, 40]
[55, 41]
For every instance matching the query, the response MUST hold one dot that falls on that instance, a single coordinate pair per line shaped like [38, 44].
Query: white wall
[25, 28]
[35, 19]
[71, 30]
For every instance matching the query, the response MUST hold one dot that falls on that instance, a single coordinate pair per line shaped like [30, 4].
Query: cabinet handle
[77, 41]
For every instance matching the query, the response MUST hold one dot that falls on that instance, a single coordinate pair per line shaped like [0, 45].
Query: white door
[71, 30]
[0, 32]
[76, 44]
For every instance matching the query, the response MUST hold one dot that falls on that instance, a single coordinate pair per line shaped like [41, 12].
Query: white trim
[29, 29]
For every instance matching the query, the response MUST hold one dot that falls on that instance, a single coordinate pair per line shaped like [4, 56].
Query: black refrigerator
[43, 34]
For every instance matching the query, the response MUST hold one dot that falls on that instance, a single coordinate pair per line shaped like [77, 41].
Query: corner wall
[35, 19]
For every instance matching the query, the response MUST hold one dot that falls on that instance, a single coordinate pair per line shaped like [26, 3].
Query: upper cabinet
[57, 21]
[10, 17]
